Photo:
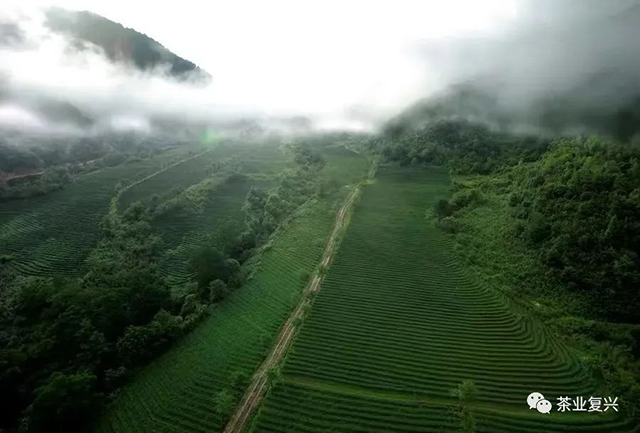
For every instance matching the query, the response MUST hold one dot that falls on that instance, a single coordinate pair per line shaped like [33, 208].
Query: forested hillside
[553, 220]
[122, 44]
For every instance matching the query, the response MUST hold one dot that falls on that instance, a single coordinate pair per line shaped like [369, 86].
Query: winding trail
[260, 380]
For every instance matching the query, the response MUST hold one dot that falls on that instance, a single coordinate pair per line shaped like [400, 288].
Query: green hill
[122, 44]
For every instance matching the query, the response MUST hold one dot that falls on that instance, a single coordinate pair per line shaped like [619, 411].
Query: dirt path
[260, 381]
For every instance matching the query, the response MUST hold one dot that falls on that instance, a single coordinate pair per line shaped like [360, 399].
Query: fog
[45, 70]
[562, 65]
[340, 66]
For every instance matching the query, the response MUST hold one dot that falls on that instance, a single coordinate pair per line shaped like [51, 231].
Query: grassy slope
[486, 242]
[52, 234]
[487, 245]
[247, 159]
[177, 392]
[399, 324]
[184, 230]
[38, 235]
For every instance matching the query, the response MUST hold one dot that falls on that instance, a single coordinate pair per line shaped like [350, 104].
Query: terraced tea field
[243, 158]
[177, 392]
[183, 231]
[39, 237]
[399, 324]
[343, 166]
[52, 234]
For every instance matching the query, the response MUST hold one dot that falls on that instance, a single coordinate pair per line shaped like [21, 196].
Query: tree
[217, 291]
[224, 403]
[208, 265]
[141, 343]
[443, 208]
[190, 305]
[65, 403]
[233, 274]
[466, 392]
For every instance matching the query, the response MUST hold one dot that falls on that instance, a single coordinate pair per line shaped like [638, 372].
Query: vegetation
[80, 339]
[34, 185]
[36, 231]
[266, 210]
[120, 43]
[400, 323]
[208, 359]
[462, 146]
[563, 230]
[72, 340]
[579, 208]
[466, 392]
[446, 303]
[210, 368]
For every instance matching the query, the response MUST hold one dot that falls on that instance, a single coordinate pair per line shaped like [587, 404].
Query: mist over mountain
[121, 44]
[551, 69]
[559, 69]
[67, 73]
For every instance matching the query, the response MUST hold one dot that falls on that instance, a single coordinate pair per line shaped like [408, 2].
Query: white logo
[544, 406]
[533, 399]
[536, 401]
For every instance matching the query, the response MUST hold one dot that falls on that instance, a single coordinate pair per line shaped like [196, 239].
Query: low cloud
[548, 63]
[50, 84]
[560, 67]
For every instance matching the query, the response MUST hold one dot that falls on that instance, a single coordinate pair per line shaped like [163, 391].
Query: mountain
[122, 44]
[85, 30]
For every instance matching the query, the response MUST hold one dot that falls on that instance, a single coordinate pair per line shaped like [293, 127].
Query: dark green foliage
[65, 403]
[217, 291]
[305, 156]
[466, 393]
[120, 43]
[444, 208]
[234, 275]
[265, 210]
[567, 229]
[190, 305]
[259, 222]
[38, 183]
[81, 339]
[224, 403]
[466, 197]
[139, 344]
[580, 205]
[208, 265]
[64, 342]
[464, 147]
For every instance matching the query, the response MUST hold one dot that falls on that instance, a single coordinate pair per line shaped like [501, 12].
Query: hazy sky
[319, 56]
[343, 63]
